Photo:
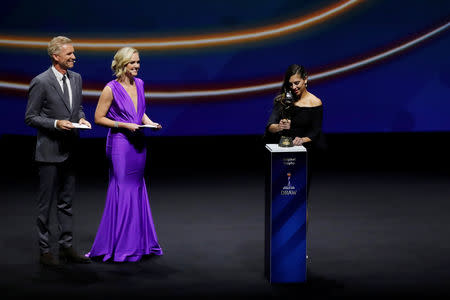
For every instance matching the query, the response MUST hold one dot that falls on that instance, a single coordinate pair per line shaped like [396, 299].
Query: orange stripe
[195, 41]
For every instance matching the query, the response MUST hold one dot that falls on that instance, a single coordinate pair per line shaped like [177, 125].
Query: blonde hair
[121, 59]
[54, 46]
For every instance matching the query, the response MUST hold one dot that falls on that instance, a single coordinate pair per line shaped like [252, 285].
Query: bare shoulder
[314, 100]
[107, 89]
[106, 94]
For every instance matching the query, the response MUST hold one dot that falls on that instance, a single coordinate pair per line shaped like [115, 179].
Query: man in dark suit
[54, 104]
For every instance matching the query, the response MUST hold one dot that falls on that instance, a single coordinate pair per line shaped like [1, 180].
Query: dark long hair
[291, 71]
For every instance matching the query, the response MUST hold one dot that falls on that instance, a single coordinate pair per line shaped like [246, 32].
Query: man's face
[65, 58]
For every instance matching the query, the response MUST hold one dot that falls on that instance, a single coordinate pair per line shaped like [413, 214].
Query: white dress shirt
[59, 77]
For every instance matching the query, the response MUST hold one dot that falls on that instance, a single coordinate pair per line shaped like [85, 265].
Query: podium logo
[288, 189]
[289, 161]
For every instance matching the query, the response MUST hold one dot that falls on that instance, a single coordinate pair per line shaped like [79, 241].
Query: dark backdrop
[378, 66]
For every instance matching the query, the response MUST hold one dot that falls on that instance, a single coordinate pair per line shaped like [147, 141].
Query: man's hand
[64, 125]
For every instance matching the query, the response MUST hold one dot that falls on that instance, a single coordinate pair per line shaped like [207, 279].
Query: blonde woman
[126, 231]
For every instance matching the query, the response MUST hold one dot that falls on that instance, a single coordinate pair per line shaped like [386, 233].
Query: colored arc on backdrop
[267, 86]
[196, 41]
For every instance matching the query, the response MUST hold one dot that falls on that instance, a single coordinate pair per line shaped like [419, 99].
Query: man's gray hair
[54, 46]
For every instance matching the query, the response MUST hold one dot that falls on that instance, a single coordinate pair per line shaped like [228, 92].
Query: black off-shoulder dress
[305, 122]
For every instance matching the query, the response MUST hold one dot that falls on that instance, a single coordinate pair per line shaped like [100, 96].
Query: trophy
[286, 103]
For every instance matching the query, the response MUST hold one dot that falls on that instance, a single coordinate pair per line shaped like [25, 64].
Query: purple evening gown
[126, 231]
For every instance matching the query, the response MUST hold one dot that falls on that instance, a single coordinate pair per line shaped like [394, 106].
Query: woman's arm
[103, 105]
[280, 126]
[275, 124]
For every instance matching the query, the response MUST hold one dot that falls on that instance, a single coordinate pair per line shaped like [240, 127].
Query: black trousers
[56, 182]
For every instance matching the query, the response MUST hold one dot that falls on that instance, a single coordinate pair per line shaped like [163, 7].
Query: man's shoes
[47, 259]
[70, 255]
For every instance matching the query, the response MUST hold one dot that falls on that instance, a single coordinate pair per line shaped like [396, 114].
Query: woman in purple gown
[126, 231]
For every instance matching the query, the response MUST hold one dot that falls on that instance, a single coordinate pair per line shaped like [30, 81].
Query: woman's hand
[298, 141]
[284, 124]
[158, 126]
[146, 121]
[150, 122]
[130, 126]
[83, 121]
[280, 126]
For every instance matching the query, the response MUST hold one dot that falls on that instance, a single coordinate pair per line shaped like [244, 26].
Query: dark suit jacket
[45, 105]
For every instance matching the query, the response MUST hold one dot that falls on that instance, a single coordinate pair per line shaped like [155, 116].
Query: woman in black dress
[301, 120]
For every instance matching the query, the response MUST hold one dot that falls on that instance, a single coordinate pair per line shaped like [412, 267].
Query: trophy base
[285, 141]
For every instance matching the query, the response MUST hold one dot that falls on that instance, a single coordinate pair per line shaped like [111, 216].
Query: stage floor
[373, 232]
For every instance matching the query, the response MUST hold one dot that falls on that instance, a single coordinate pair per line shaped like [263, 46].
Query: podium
[285, 214]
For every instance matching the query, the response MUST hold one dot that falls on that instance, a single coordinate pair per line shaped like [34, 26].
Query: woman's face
[297, 84]
[133, 66]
